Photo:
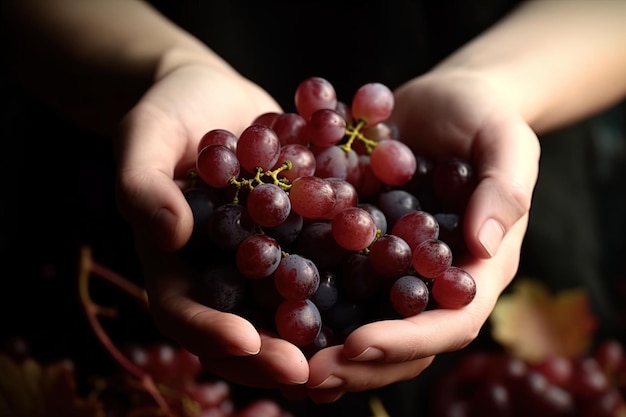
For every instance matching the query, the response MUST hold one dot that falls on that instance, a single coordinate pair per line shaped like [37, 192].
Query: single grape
[409, 295]
[258, 256]
[202, 205]
[229, 225]
[334, 162]
[258, 146]
[396, 203]
[416, 227]
[312, 94]
[390, 256]
[218, 137]
[453, 183]
[296, 277]
[373, 103]
[393, 162]
[354, 228]
[325, 128]
[359, 280]
[221, 287]
[298, 321]
[327, 292]
[217, 165]
[455, 288]
[312, 197]
[268, 205]
[431, 258]
[290, 128]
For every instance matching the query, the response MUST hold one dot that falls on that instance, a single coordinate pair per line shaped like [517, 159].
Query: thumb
[147, 195]
[506, 155]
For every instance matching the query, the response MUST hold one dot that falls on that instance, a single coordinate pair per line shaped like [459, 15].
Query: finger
[278, 362]
[506, 159]
[441, 330]
[332, 374]
[147, 195]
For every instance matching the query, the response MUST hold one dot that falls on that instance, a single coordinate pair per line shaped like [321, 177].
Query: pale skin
[155, 90]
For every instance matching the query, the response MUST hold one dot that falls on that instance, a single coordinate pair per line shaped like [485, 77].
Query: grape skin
[218, 137]
[453, 289]
[373, 103]
[390, 256]
[416, 227]
[217, 165]
[353, 228]
[298, 321]
[393, 162]
[431, 258]
[258, 146]
[409, 295]
[268, 205]
[312, 94]
[229, 225]
[258, 256]
[311, 197]
[296, 277]
[221, 287]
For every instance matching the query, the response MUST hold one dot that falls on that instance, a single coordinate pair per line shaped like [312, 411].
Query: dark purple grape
[296, 277]
[409, 295]
[221, 287]
[229, 225]
[395, 204]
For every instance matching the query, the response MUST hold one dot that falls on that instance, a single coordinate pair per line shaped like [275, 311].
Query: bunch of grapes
[314, 222]
[188, 391]
[500, 385]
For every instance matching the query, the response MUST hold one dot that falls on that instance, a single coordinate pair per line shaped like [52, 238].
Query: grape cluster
[314, 222]
[180, 378]
[497, 384]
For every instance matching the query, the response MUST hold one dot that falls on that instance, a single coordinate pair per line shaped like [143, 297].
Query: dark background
[57, 180]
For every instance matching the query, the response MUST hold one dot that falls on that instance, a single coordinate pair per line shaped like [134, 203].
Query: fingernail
[331, 382]
[490, 236]
[369, 354]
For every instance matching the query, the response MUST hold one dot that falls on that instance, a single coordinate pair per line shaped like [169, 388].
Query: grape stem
[353, 133]
[250, 183]
[88, 267]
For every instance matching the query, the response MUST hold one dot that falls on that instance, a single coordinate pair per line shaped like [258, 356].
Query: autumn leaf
[533, 324]
[29, 389]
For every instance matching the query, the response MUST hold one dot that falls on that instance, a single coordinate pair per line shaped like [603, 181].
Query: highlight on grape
[314, 222]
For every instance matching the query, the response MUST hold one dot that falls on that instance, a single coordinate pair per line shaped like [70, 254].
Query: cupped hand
[156, 147]
[441, 116]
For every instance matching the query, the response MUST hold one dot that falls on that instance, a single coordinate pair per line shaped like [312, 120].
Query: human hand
[444, 115]
[156, 147]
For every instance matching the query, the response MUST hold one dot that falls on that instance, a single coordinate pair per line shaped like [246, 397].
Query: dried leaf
[29, 389]
[533, 324]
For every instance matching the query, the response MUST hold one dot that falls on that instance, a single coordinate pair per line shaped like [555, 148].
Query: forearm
[93, 59]
[555, 61]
